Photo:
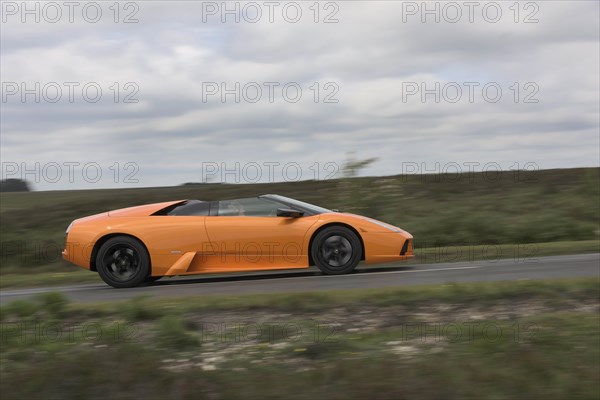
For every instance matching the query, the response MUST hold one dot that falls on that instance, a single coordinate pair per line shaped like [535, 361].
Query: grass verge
[534, 339]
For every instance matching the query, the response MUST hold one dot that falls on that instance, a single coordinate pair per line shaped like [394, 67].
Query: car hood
[142, 211]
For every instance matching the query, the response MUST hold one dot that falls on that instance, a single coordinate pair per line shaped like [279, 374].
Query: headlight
[388, 226]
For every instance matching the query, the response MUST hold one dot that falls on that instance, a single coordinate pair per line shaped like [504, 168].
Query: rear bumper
[77, 254]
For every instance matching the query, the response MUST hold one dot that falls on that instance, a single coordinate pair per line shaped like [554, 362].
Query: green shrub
[137, 309]
[21, 308]
[171, 333]
[54, 303]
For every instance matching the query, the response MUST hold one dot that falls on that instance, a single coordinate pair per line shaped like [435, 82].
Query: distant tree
[354, 194]
[352, 166]
[199, 183]
[13, 185]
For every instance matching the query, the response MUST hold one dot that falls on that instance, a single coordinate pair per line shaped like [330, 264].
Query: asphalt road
[311, 280]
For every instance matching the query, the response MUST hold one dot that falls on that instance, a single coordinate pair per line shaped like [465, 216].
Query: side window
[191, 208]
[251, 207]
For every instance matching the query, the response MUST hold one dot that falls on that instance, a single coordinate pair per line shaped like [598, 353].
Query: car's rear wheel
[123, 262]
[336, 250]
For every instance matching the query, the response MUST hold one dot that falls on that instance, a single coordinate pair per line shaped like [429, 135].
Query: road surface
[311, 280]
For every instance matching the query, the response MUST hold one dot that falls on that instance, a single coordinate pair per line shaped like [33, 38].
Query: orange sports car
[140, 244]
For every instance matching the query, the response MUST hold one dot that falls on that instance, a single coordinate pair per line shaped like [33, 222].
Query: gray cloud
[370, 54]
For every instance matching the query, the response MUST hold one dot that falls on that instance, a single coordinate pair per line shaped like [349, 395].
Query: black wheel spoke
[336, 251]
[122, 261]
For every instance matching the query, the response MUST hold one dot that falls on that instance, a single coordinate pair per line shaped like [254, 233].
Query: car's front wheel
[336, 250]
[123, 262]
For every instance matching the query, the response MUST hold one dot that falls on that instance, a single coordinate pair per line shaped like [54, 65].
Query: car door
[174, 233]
[247, 234]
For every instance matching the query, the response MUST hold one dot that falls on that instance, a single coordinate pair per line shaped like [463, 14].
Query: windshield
[297, 204]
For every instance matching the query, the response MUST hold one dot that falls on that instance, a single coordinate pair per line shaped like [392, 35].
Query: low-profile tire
[123, 262]
[336, 250]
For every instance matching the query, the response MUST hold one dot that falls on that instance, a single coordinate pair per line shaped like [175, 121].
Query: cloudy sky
[155, 93]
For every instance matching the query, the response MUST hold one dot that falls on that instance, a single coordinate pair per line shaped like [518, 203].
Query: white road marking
[415, 271]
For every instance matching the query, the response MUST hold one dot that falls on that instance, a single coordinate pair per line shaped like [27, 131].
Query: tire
[336, 250]
[123, 262]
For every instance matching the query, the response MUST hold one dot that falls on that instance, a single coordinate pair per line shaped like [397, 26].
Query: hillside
[543, 206]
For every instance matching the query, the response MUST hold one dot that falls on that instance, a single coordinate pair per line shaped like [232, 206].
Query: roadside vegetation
[526, 339]
[499, 208]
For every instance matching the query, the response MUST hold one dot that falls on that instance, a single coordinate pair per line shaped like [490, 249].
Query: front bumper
[381, 247]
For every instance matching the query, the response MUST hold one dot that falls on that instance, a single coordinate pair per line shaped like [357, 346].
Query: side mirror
[288, 212]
